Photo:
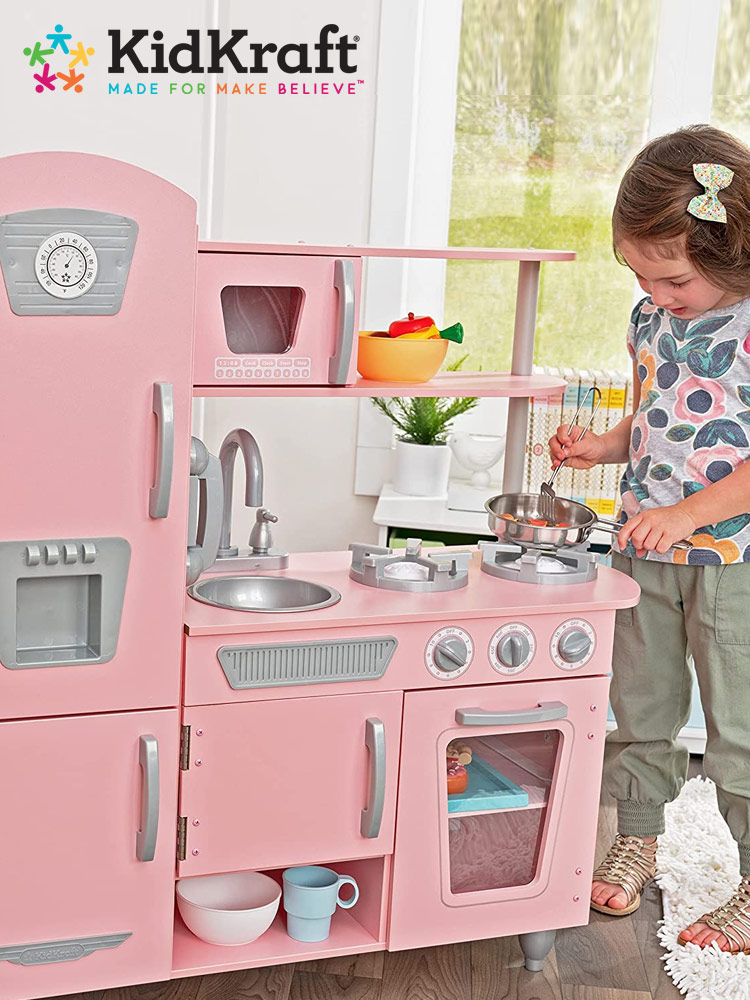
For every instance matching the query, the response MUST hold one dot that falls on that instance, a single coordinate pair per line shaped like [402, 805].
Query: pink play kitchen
[214, 757]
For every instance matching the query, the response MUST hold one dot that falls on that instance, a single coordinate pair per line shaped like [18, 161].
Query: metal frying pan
[579, 519]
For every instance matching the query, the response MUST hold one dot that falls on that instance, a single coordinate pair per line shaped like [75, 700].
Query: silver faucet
[261, 554]
[244, 440]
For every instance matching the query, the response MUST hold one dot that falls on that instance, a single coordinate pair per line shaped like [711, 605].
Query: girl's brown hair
[651, 205]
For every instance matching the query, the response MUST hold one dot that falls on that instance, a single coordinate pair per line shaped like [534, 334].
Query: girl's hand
[657, 529]
[580, 454]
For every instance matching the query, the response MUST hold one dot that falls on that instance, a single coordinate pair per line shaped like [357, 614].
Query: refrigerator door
[95, 435]
[513, 852]
[87, 866]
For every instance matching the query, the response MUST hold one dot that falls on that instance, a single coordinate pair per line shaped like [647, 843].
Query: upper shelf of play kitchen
[280, 318]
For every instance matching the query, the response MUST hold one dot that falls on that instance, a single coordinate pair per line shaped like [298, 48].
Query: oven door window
[497, 824]
[261, 319]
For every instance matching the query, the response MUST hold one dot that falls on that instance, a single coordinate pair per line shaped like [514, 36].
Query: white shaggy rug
[698, 871]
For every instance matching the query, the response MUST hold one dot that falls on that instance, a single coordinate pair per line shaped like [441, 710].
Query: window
[553, 101]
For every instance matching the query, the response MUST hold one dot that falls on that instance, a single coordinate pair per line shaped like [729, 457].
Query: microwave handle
[343, 280]
[163, 406]
[546, 711]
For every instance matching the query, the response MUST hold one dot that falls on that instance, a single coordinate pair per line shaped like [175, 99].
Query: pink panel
[79, 439]
[284, 782]
[424, 910]
[315, 340]
[205, 682]
[72, 806]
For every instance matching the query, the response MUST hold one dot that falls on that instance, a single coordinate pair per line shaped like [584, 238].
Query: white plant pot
[421, 469]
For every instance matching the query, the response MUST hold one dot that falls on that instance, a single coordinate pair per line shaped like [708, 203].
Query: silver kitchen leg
[536, 946]
[521, 364]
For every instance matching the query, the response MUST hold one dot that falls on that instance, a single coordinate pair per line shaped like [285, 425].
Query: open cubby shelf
[354, 931]
[193, 957]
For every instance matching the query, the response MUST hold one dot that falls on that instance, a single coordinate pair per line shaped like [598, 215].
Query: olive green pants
[705, 609]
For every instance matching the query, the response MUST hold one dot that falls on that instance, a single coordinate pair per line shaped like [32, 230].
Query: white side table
[396, 510]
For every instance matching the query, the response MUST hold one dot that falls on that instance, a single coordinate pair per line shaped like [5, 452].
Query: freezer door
[95, 443]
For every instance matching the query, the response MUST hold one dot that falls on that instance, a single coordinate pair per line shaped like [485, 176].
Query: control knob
[573, 644]
[449, 653]
[512, 648]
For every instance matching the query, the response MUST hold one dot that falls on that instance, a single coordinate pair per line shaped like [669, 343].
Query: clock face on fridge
[66, 265]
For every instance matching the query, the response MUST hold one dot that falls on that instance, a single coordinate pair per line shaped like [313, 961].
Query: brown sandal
[631, 864]
[732, 920]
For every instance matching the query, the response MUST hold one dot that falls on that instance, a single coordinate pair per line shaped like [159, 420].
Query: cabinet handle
[372, 816]
[545, 711]
[148, 758]
[343, 280]
[158, 498]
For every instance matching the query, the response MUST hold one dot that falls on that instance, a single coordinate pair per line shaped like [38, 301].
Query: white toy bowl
[228, 909]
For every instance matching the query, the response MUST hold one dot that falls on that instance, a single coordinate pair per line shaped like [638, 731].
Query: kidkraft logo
[242, 64]
[224, 62]
[60, 65]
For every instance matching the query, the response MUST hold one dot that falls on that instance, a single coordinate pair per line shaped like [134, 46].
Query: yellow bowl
[393, 359]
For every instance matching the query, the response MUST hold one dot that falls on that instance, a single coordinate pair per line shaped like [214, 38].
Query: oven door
[514, 852]
[276, 319]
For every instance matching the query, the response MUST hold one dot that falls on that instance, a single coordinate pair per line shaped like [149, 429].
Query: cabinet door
[84, 447]
[514, 852]
[279, 783]
[82, 800]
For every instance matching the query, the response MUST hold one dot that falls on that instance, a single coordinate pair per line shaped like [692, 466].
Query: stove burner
[537, 566]
[389, 569]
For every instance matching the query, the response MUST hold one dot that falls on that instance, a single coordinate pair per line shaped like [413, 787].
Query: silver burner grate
[534, 566]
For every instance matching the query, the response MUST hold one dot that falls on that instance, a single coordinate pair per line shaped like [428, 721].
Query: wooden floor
[611, 959]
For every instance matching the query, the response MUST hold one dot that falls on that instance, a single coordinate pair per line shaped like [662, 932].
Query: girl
[681, 223]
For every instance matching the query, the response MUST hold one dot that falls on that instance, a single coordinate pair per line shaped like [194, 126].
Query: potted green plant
[423, 424]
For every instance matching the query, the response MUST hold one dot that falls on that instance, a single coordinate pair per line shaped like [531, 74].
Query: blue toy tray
[487, 789]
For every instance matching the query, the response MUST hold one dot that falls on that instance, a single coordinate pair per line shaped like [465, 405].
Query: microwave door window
[260, 319]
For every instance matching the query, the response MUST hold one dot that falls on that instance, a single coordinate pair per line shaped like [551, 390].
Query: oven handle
[372, 816]
[163, 405]
[546, 711]
[343, 280]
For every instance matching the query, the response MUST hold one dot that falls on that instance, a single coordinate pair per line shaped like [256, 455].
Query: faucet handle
[260, 537]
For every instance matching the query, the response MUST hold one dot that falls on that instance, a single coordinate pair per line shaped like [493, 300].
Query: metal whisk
[547, 494]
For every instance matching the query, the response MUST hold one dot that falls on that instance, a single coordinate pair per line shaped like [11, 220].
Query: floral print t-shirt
[692, 426]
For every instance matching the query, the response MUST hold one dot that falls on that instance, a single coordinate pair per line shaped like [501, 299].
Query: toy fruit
[458, 779]
[423, 328]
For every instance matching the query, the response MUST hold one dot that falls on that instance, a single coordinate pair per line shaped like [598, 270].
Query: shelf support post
[521, 364]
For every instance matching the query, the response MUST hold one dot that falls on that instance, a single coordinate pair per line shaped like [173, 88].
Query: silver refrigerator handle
[545, 711]
[372, 816]
[163, 406]
[343, 280]
[148, 758]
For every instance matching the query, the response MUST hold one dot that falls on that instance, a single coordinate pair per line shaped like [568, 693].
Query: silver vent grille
[306, 662]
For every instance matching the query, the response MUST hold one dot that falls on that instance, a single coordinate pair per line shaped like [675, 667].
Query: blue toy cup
[311, 895]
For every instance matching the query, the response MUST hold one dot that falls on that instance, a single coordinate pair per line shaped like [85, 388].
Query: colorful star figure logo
[59, 44]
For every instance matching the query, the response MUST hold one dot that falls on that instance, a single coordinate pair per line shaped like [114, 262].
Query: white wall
[262, 169]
